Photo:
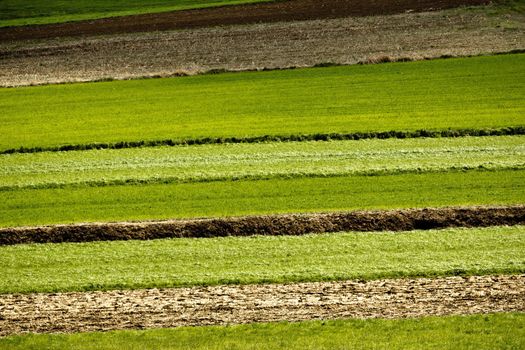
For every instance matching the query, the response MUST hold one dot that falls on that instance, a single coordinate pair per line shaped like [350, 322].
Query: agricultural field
[186, 262]
[24, 12]
[489, 332]
[26, 207]
[475, 93]
[266, 191]
[236, 161]
[58, 57]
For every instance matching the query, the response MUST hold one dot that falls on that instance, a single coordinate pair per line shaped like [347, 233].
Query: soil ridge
[271, 225]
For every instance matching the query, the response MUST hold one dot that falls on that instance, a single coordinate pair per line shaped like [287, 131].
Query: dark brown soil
[241, 14]
[394, 220]
[154, 308]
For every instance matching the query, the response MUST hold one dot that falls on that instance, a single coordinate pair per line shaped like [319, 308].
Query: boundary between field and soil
[229, 15]
[45, 16]
[271, 225]
[219, 305]
[478, 331]
[181, 74]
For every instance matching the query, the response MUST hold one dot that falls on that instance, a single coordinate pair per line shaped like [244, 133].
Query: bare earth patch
[271, 225]
[291, 10]
[155, 308]
[349, 40]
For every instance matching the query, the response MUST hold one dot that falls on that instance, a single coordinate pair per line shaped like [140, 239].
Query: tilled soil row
[260, 46]
[271, 225]
[240, 14]
[154, 308]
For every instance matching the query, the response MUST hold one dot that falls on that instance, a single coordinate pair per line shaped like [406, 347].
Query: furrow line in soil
[343, 41]
[228, 15]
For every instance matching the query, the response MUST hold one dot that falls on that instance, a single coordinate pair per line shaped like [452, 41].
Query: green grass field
[231, 198]
[260, 259]
[493, 331]
[480, 92]
[260, 160]
[23, 12]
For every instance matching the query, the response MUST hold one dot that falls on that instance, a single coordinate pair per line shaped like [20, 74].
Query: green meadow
[261, 259]
[202, 163]
[479, 92]
[493, 331]
[26, 207]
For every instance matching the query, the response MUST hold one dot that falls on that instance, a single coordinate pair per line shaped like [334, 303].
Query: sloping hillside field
[340, 198]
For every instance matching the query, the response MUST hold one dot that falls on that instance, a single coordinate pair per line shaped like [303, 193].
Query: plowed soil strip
[276, 225]
[227, 15]
[259, 46]
[154, 308]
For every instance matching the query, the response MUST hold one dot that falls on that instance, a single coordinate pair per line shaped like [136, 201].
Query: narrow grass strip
[382, 135]
[30, 207]
[492, 331]
[283, 259]
[464, 93]
[259, 161]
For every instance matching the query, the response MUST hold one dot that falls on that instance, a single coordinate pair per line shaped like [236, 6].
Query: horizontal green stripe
[262, 259]
[508, 131]
[477, 92]
[265, 160]
[231, 198]
[493, 331]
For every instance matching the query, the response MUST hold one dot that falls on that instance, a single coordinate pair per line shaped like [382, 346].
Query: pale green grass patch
[261, 160]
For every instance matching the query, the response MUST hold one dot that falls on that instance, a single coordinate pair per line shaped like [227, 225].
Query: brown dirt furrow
[218, 305]
[292, 10]
[259, 46]
[299, 224]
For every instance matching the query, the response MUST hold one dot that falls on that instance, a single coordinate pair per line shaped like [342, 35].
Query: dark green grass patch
[232, 198]
[492, 331]
[260, 259]
[476, 93]
[23, 12]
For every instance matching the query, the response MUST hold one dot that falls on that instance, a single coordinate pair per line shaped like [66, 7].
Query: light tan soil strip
[291, 10]
[255, 47]
[271, 225]
[154, 308]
